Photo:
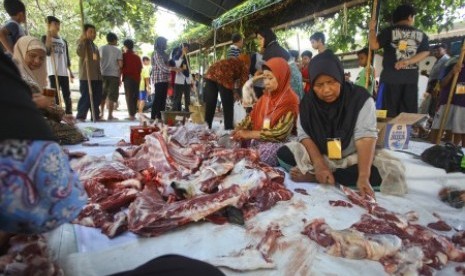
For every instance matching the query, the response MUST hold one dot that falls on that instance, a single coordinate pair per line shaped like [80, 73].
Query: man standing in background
[404, 46]
[111, 62]
[433, 88]
[132, 67]
[89, 62]
[235, 48]
[58, 62]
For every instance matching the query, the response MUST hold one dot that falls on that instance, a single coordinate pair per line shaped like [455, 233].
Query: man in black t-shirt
[404, 46]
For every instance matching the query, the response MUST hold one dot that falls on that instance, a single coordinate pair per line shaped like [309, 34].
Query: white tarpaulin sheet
[85, 251]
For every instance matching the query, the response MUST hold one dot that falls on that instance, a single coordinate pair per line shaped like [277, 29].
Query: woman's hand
[324, 175]
[238, 135]
[364, 186]
[41, 101]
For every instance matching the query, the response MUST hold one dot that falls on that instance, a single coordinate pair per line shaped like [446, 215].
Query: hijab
[19, 117]
[268, 35]
[278, 103]
[160, 48]
[37, 77]
[272, 47]
[321, 120]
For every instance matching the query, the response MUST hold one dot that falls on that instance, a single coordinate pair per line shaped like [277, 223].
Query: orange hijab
[276, 104]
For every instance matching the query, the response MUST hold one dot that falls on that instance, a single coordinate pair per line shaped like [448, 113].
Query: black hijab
[19, 117]
[272, 47]
[321, 120]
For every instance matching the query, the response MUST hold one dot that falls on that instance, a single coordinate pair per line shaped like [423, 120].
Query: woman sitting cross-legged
[337, 134]
[274, 115]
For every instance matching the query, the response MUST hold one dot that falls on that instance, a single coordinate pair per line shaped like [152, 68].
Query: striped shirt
[233, 51]
[278, 133]
[160, 71]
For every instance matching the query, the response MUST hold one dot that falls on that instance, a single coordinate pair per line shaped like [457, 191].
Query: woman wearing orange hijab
[274, 115]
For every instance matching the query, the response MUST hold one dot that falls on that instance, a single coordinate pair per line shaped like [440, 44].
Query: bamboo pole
[57, 84]
[214, 45]
[445, 114]
[86, 62]
[374, 15]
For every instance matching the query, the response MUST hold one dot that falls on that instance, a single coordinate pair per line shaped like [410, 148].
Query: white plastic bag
[239, 113]
[248, 94]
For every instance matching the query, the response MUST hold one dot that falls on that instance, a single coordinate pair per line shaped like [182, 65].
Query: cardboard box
[395, 134]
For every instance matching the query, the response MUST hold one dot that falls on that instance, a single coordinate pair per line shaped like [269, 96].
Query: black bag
[448, 157]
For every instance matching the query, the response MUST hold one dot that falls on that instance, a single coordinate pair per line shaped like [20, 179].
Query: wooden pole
[57, 84]
[86, 62]
[374, 15]
[445, 114]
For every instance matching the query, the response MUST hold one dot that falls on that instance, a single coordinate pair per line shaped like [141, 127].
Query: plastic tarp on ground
[85, 251]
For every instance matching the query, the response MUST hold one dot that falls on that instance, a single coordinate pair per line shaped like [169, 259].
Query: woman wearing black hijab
[268, 41]
[337, 132]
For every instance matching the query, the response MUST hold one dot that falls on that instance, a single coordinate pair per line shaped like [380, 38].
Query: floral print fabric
[38, 189]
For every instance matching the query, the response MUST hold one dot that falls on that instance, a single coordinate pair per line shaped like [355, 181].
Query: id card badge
[94, 56]
[460, 88]
[334, 148]
[266, 123]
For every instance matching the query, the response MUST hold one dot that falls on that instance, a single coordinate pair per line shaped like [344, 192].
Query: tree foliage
[129, 19]
[346, 30]
[133, 18]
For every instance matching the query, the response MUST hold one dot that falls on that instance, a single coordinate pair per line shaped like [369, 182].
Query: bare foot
[297, 176]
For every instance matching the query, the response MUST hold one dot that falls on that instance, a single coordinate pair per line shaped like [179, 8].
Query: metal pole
[445, 114]
[86, 62]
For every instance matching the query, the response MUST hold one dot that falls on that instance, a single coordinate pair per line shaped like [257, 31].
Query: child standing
[11, 31]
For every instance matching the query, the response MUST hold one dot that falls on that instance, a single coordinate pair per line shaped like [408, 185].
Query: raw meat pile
[173, 179]
[28, 255]
[401, 246]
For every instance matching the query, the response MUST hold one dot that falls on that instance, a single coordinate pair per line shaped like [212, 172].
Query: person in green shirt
[362, 76]
[144, 86]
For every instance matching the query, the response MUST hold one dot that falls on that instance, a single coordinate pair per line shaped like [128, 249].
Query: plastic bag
[239, 113]
[248, 94]
[448, 157]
